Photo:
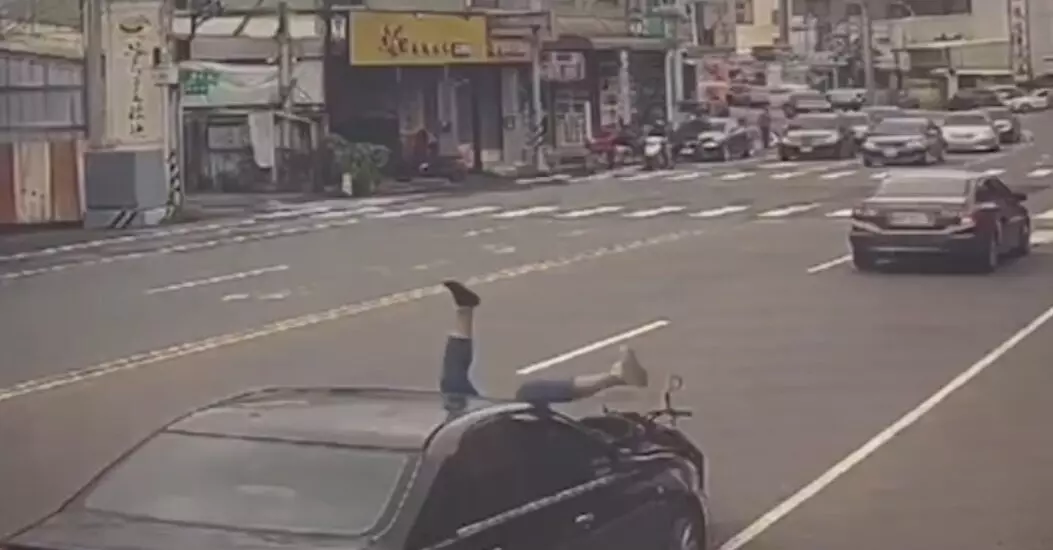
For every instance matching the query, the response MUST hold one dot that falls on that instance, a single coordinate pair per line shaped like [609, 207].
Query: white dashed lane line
[218, 279]
[789, 210]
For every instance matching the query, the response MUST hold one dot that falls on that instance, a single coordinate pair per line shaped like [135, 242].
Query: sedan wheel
[686, 536]
[989, 258]
[1023, 244]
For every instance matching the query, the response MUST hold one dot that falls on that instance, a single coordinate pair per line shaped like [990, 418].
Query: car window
[253, 485]
[986, 192]
[967, 120]
[569, 457]
[814, 123]
[922, 187]
[900, 126]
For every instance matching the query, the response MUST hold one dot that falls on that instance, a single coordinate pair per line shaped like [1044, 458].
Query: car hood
[977, 129]
[894, 139]
[712, 135]
[883, 204]
[84, 530]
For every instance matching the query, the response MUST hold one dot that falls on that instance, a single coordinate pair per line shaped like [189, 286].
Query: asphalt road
[792, 360]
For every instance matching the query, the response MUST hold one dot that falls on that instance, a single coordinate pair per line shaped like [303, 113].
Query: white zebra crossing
[1044, 216]
[1040, 172]
[688, 176]
[465, 212]
[718, 212]
[994, 172]
[404, 213]
[524, 212]
[735, 176]
[837, 175]
[650, 213]
[587, 212]
[789, 210]
[787, 175]
[843, 213]
[642, 176]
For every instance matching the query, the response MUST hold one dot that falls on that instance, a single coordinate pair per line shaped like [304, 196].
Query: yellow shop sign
[400, 38]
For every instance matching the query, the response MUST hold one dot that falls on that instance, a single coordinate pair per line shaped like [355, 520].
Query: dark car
[331, 468]
[859, 123]
[809, 101]
[974, 98]
[1010, 130]
[967, 216]
[818, 135]
[904, 141]
[715, 138]
[847, 99]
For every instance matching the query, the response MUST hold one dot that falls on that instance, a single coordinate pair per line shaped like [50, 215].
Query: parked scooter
[657, 152]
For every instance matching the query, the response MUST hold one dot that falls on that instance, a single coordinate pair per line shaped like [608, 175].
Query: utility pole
[785, 9]
[95, 85]
[285, 86]
[867, 43]
[536, 106]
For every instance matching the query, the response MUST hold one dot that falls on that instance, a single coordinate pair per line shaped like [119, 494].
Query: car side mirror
[1020, 196]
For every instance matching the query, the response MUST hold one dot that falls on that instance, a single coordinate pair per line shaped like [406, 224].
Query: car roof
[933, 174]
[353, 416]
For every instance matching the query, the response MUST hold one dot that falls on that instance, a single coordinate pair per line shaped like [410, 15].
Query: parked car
[1035, 100]
[904, 141]
[970, 131]
[809, 101]
[847, 99]
[714, 138]
[961, 215]
[817, 135]
[974, 98]
[1010, 130]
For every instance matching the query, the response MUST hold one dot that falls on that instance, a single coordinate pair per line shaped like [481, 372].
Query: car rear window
[897, 126]
[967, 120]
[252, 485]
[813, 123]
[923, 187]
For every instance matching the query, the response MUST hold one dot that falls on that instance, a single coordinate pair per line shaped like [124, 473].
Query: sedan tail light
[864, 213]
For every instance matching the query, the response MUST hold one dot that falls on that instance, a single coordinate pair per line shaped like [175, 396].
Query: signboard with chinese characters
[563, 66]
[208, 84]
[134, 102]
[403, 39]
[1019, 40]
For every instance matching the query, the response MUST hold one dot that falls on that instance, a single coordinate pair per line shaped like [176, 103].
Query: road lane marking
[642, 176]
[595, 346]
[176, 249]
[722, 211]
[837, 175]
[465, 212]
[994, 172]
[829, 264]
[735, 176]
[390, 214]
[1042, 236]
[779, 165]
[879, 176]
[218, 279]
[843, 213]
[1040, 173]
[883, 437]
[178, 351]
[789, 210]
[524, 212]
[650, 213]
[787, 175]
[688, 176]
[1047, 215]
[586, 212]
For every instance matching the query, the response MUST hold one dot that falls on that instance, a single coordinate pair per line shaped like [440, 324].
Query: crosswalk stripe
[843, 213]
[586, 212]
[464, 212]
[403, 213]
[778, 165]
[786, 175]
[722, 211]
[648, 175]
[1047, 215]
[837, 175]
[789, 210]
[1040, 172]
[1042, 236]
[736, 176]
[688, 176]
[879, 176]
[994, 172]
[655, 211]
[523, 212]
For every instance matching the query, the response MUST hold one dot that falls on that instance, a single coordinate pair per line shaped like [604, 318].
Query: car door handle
[584, 519]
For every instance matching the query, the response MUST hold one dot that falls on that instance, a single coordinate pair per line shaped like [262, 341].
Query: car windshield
[900, 126]
[813, 123]
[922, 187]
[973, 119]
[252, 485]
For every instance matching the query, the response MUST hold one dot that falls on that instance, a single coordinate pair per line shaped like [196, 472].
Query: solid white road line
[218, 279]
[403, 213]
[736, 176]
[1040, 173]
[655, 212]
[789, 210]
[586, 212]
[843, 213]
[524, 212]
[779, 165]
[1042, 236]
[1047, 215]
[722, 211]
[465, 212]
[688, 176]
[829, 264]
[802, 496]
[994, 172]
[837, 175]
[597, 345]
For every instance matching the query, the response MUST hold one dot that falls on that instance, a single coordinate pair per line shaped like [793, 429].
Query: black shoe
[461, 295]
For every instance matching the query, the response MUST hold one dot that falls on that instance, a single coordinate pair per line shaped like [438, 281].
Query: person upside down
[459, 355]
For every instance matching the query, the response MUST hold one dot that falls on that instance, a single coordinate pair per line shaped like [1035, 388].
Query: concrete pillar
[447, 92]
[515, 121]
[126, 180]
[625, 107]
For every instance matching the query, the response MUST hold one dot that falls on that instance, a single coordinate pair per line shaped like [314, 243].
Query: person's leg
[458, 356]
[627, 371]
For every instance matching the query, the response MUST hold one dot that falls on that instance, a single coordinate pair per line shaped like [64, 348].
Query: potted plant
[358, 164]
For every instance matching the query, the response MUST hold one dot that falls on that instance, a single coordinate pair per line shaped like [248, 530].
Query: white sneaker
[629, 370]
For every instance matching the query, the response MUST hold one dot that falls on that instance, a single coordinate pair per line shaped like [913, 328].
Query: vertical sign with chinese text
[1019, 40]
[134, 101]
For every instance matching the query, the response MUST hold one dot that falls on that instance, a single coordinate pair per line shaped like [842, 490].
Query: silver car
[1007, 124]
[968, 131]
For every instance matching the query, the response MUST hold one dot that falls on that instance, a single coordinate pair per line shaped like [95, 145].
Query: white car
[779, 95]
[1037, 100]
[968, 131]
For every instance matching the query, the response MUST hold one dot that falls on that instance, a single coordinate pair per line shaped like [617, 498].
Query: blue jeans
[457, 361]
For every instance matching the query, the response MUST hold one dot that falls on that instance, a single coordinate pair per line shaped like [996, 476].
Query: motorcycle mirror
[675, 383]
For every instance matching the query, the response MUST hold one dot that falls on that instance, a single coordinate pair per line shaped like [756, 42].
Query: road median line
[179, 351]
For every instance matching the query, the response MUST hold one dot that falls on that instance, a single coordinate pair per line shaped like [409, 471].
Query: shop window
[744, 12]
